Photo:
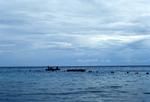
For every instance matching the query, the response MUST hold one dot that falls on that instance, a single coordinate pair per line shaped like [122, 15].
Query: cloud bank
[79, 32]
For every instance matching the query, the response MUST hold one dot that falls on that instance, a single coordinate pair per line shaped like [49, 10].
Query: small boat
[52, 68]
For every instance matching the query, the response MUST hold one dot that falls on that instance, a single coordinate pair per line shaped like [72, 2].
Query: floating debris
[90, 71]
[96, 71]
[112, 72]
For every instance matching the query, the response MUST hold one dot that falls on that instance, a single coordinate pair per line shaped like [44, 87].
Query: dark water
[37, 85]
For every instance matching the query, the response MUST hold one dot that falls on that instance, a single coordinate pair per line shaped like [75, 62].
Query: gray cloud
[97, 31]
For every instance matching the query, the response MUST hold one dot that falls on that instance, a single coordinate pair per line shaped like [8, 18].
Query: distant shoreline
[76, 66]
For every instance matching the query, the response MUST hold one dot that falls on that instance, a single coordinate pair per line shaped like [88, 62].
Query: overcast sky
[74, 32]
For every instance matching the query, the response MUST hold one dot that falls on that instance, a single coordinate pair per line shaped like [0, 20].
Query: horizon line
[77, 66]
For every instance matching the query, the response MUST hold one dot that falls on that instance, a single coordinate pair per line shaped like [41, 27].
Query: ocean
[98, 84]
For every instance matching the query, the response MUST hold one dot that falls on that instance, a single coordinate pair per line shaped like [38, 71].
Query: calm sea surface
[37, 85]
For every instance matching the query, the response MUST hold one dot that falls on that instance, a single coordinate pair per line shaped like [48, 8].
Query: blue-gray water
[37, 85]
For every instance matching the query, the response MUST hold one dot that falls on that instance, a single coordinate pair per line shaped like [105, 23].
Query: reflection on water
[37, 85]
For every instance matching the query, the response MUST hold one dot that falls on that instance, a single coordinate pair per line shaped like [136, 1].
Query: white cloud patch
[104, 41]
[77, 41]
[52, 45]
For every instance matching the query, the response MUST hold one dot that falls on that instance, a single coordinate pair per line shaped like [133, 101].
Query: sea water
[100, 85]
